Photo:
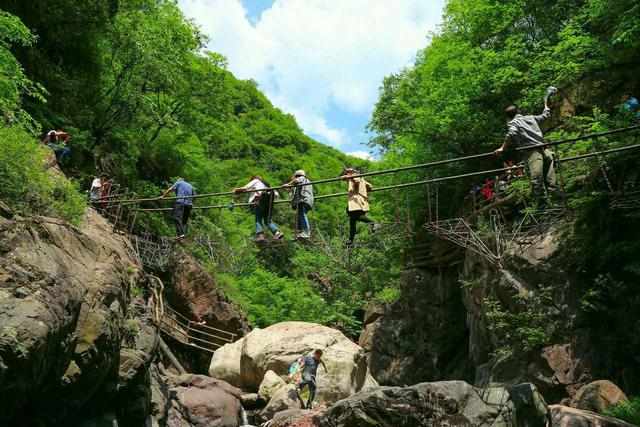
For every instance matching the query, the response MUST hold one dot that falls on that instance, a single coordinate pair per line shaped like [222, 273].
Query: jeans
[181, 218]
[303, 221]
[354, 217]
[60, 152]
[543, 176]
[308, 380]
[263, 216]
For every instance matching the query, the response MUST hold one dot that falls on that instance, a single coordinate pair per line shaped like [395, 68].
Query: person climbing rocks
[263, 204]
[358, 204]
[301, 202]
[96, 191]
[185, 196]
[56, 140]
[525, 131]
[309, 366]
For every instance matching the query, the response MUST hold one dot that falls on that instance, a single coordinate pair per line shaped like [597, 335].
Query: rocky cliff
[470, 320]
[64, 295]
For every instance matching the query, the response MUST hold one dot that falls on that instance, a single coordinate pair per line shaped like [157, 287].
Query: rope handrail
[231, 334]
[400, 169]
[416, 183]
[191, 337]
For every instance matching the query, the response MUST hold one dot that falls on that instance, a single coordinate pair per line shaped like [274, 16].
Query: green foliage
[26, 187]
[270, 299]
[130, 331]
[518, 331]
[626, 410]
[136, 292]
[13, 82]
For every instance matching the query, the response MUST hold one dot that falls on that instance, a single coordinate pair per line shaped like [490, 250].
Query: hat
[300, 172]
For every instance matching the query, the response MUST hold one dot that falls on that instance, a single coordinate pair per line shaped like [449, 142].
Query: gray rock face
[422, 336]
[194, 292]
[62, 295]
[133, 398]
[453, 403]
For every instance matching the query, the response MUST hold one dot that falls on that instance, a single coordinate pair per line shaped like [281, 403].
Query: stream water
[245, 418]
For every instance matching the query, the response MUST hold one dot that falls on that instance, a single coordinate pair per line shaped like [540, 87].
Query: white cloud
[313, 55]
[361, 155]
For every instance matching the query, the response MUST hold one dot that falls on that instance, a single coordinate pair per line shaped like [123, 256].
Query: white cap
[300, 172]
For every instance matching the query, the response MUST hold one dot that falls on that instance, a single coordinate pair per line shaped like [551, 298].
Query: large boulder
[598, 396]
[195, 293]
[63, 291]
[278, 346]
[201, 401]
[225, 363]
[284, 398]
[440, 403]
[564, 416]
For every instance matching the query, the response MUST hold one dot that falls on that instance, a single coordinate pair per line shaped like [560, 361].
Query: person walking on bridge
[185, 196]
[263, 204]
[525, 131]
[302, 202]
[358, 204]
[309, 365]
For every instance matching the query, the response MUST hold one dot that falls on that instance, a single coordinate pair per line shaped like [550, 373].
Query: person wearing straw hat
[525, 131]
[301, 202]
[358, 204]
[185, 196]
[263, 204]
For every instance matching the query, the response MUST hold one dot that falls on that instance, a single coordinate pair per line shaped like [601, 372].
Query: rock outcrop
[278, 346]
[63, 293]
[296, 418]
[283, 399]
[598, 396]
[440, 403]
[420, 337]
[194, 293]
[201, 401]
[564, 416]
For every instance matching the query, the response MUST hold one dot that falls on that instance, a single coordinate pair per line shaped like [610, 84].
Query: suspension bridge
[122, 208]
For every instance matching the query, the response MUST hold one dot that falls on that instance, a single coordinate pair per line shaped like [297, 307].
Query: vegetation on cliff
[142, 101]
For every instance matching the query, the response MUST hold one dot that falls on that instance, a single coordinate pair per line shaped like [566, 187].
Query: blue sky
[320, 60]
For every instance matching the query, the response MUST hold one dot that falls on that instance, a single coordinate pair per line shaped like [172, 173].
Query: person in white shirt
[263, 205]
[96, 187]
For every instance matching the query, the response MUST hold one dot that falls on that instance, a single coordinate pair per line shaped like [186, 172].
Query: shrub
[521, 331]
[130, 331]
[627, 410]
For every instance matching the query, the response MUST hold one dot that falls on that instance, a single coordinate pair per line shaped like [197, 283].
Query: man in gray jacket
[525, 131]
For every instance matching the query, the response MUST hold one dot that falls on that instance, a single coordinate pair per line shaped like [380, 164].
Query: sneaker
[294, 237]
[278, 235]
[182, 236]
[305, 234]
[309, 406]
[375, 227]
[348, 244]
[259, 238]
